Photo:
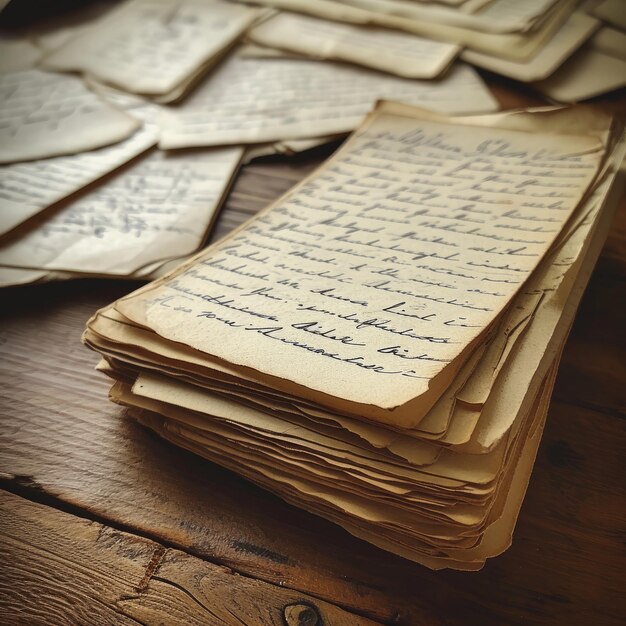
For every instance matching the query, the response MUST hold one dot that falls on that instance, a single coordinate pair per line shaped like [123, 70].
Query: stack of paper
[553, 44]
[379, 345]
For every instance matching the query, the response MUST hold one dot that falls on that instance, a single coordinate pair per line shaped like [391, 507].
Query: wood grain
[61, 569]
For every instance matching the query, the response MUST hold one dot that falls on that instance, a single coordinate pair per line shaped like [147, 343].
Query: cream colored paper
[44, 114]
[262, 100]
[151, 46]
[519, 46]
[158, 208]
[28, 188]
[578, 28]
[391, 51]
[322, 282]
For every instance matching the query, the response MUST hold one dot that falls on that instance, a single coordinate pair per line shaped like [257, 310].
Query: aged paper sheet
[263, 100]
[383, 49]
[383, 337]
[28, 188]
[152, 46]
[513, 45]
[44, 115]
[157, 208]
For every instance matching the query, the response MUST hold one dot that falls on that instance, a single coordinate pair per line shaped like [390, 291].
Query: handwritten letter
[378, 271]
[28, 188]
[44, 115]
[157, 208]
[258, 100]
[390, 51]
[152, 46]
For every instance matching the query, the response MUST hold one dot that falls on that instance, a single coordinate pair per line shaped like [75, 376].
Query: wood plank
[61, 569]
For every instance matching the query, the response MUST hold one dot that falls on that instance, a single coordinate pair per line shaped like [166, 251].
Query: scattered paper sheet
[28, 188]
[511, 45]
[390, 51]
[157, 208]
[152, 46]
[44, 115]
[262, 100]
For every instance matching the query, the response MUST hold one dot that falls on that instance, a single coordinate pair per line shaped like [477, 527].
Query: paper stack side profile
[558, 47]
[379, 345]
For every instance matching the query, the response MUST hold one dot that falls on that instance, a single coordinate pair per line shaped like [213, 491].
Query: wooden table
[104, 523]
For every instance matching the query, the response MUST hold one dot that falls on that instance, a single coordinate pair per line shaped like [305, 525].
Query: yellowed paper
[30, 187]
[514, 45]
[151, 46]
[44, 115]
[391, 51]
[262, 100]
[158, 208]
[578, 28]
[367, 331]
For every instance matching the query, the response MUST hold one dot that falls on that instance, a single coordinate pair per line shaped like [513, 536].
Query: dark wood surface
[104, 523]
